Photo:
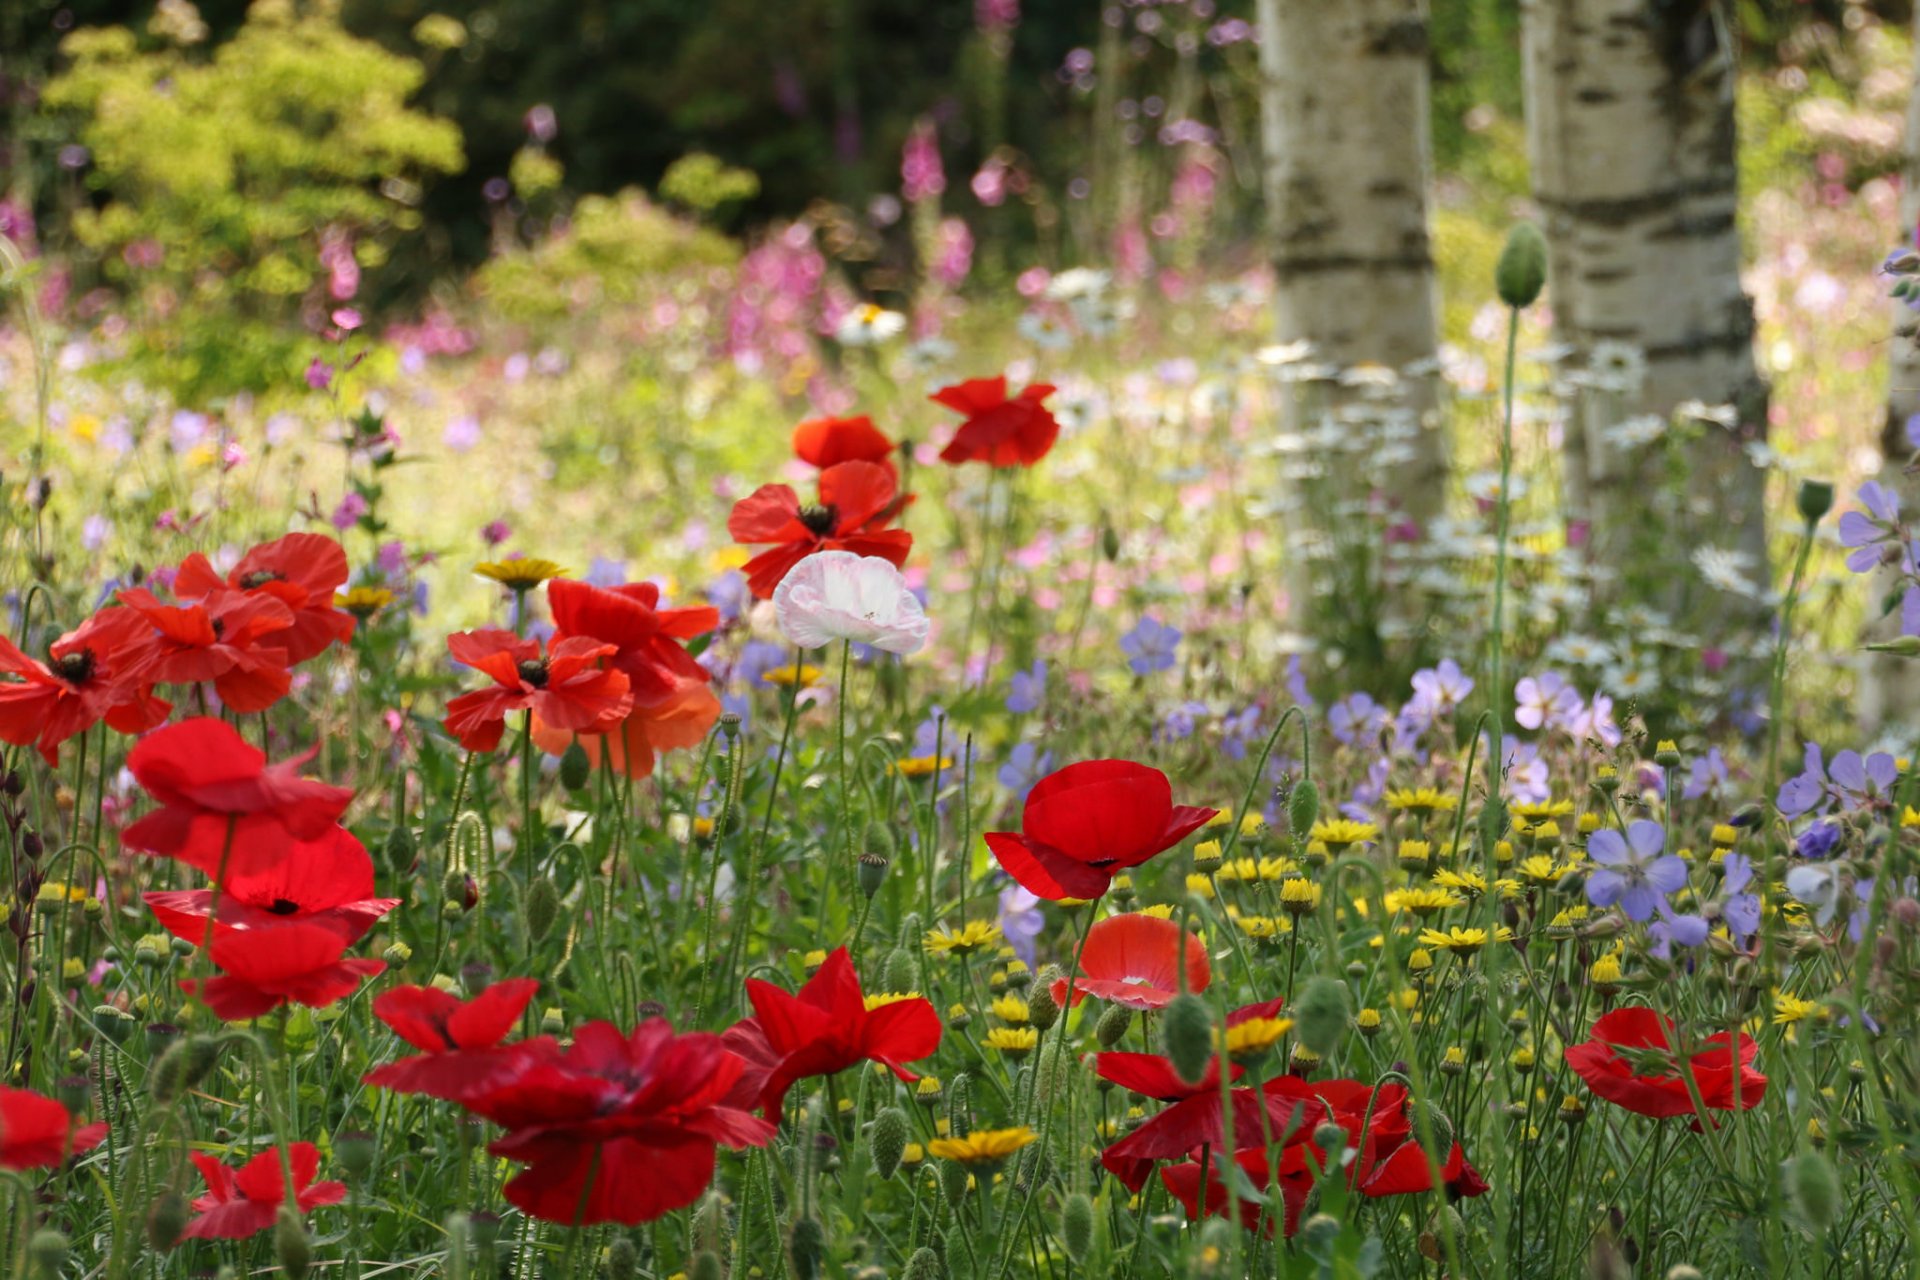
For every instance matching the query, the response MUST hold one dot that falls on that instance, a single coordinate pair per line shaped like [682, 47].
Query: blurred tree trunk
[1889, 685]
[1344, 112]
[1630, 128]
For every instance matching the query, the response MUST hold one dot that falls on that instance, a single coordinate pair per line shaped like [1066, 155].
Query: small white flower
[869, 325]
[1632, 433]
[1724, 415]
[837, 595]
[1284, 353]
[1078, 282]
[1044, 331]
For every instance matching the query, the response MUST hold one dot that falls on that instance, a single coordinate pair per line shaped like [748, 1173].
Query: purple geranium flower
[1027, 689]
[1356, 716]
[1865, 531]
[1026, 764]
[1545, 701]
[1150, 646]
[1632, 870]
[1706, 775]
[1439, 690]
[1021, 921]
[1740, 909]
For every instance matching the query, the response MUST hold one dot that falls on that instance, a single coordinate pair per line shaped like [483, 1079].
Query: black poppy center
[74, 668]
[818, 518]
[534, 673]
[283, 907]
[219, 626]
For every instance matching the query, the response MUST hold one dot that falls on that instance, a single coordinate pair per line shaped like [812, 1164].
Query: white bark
[1344, 114]
[1630, 128]
[1890, 686]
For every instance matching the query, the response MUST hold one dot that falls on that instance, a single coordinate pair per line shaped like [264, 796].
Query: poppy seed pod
[290, 1244]
[1076, 1225]
[1814, 499]
[1187, 1036]
[1814, 1189]
[872, 873]
[888, 1141]
[1303, 807]
[923, 1265]
[1521, 273]
[542, 906]
[576, 771]
[623, 1259]
[1322, 1014]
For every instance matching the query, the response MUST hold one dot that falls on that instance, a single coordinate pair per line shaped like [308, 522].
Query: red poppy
[1388, 1158]
[857, 502]
[567, 688]
[1609, 1074]
[1135, 960]
[827, 1027]
[37, 1132]
[285, 962]
[1281, 1110]
[826, 442]
[649, 642]
[89, 676]
[998, 430]
[328, 882]
[1086, 823]
[228, 638]
[246, 1201]
[681, 719]
[464, 1056]
[618, 1128]
[209, 782]
[302, 571]
[1182, 1181]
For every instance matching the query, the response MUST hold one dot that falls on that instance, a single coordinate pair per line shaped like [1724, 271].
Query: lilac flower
[1807, 789]
[1910, 611]
[1028, 689]
[495, 532]
[1672, 927]
[603, 571]
[1360, 806]
[1861, 781]
[1439, 690]
[1021, 921]
[1739, 908]
[1632, 871]
[757, 657]
[1025, 766]
[938, 728]
[1865, 532]
[1356, 716]
[1239, 731]
[94, 532]
[1544, 701]
[462, 434]
[1818, 840]
[1527, 777]
[1181, 721]
[728, 593]
[319, 374]
[1595, 720]
[348, 513]
[1817, 887]
[1150, 646]
[1297, 683]
[391, 559]
[1706, 775]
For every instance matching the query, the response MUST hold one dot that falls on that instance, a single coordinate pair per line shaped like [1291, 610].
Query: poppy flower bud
[923, 1265]
[1814, 499]
[1113, 1025]
[182, 1067]
[872, 873]
[1521, 272]
[73, 1092]
[807, 1244]
[1322, 1013]
[47, 1253]
[1320, 1231]
[400, 847]
[1814, 1189]
[1303, 807]
[1109, 542]
[1331, 1139]
[542, 907]
[166, 1219]
[290, 1244]
[461, 889]
[900, 972]
[888, 1140]
[706, 1266]
[1076, 1225]
[354, 1151]
[710, 1223]
[576, 771]
[1187, 1036]
[1042, 1012]
[953, 1181]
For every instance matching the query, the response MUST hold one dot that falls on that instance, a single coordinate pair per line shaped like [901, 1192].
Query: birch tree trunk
[1344, 114]
[1890, 686]
[1630, 129]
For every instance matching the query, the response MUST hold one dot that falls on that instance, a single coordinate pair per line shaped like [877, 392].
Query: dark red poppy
[209, 782]
[463, 1054]
[566, 688]
[302, 571]
[286, 962]
[1183, 1182]
[826, 442]
[37, 1132]
[328, 882]
[230, 639]
[244, 1202]
[1135, 960]
[826, 1028]
[618, 1128]
[1086, 823]
[1281, 1111]
[857, 502]
[90, 675]
[999, 430]
[1600, 1062]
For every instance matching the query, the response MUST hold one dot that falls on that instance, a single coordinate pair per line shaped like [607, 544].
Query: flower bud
[1076, 1225]
[807, 1244]
[953, 1182]
[1521, 273]
[354, 1151]
[888, 1140]
[1186, 1033]
[923, 1265]
[576, 771]
[1321, 1015]
[166, 1219]
[47, 1253]
[1814, 499]
[115, 1024]
[1303, 807]
[542, 906]
[706, 1266]
[1814, 1189]
[1042, 1012]
[182, 1067]
[1113, 1025]
[400, 847]
[710, 1222]
[1320, 1231]
[900, 971]
[872, 872]
[290, 1244]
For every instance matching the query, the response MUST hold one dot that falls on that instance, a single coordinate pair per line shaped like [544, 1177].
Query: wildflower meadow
[1184, 639]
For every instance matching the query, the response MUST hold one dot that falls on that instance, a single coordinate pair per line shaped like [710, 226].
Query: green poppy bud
[1303, 807]
[888, 1141]
[182, 1067]
[1521, 272]
[1076, 1225]
[1814, 1189]
[1322, 1013]
[354, 1151]
[47, 1253]
[923, 1265]
[166, 1219]
[807, 1245]
[706, 1266]
[1815, 499]
[953, 1181]
[623, 1259]
[290, 1244]
[1113, 1025]
[543, 907]
[1042, 1012]
[710, 1222]
[400, 847]
[576, 771]
[1186, 1034]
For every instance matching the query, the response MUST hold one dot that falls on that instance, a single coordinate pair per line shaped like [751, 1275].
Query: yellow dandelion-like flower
[1264, 926]
[1011, 1009]
[1367, 1022]
[1605, 971]
[1588, 824]
[982, 1146]
[1420, 961]
[1541, 869]
[1255, 1035]
[973, 936]
[912, 1154]
[1422, 901]
[1251, 825]
[1540, 810]
[522, 573]
[1462, 942]
[1200, 885]
[1239, 870]
[920, 766]
[813, 960]
[882, 999]
[1159, 911]
[1221, 817]
[1788, 1009]
[1338, 833]
[1415, 854]
[1299, 895]
[1471, 883]
[1015, 1042]
[363, 602]
[1422, 800]
[1725, 835]
[1277, 868]
[803, 674]
[1910, 816]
